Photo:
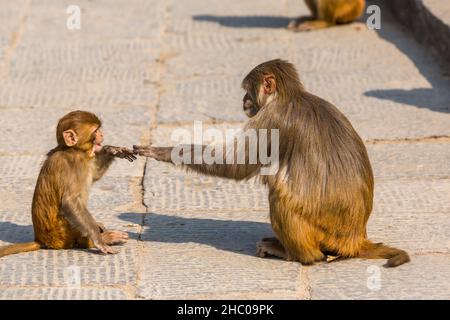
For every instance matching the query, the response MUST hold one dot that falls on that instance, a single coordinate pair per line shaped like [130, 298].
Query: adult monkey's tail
[19, 247]
[396, 257]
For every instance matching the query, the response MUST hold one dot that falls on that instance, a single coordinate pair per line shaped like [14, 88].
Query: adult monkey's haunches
[321, 196]
[327, 13]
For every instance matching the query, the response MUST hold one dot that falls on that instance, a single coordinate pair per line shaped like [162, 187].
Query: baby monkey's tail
[19, 247]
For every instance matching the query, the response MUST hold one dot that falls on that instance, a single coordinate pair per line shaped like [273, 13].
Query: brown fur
[326, 13]
[59, 208]
[322, 195]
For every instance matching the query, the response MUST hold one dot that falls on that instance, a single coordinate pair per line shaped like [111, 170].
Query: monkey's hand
[157, 153]
[120, 152]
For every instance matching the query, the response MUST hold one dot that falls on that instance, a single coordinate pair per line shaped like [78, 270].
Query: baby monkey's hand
[120, 152]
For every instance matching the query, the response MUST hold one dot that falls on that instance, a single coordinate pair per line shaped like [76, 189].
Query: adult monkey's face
[255, 99]
[250, 108]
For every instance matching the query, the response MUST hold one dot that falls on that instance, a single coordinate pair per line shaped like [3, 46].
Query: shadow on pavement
[11, 232]
[245, 21]
[229, 235]
[421, 98]
[436, 98]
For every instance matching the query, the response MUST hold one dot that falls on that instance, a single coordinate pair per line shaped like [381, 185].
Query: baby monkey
[60, 216]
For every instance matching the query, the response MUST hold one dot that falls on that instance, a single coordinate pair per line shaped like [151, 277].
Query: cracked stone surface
[148, 67]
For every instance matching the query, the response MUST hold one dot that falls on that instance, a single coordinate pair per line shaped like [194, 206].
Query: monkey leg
[293, 24]
[298, 237]
[85, 243]
[271, 247]
[302, 247]
[57, 236]
[312, 7]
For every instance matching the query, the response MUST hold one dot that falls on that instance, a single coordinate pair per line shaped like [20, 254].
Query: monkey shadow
[229, 235]
[436, 98]
[246, 21]
[12, 233]
[422, 98]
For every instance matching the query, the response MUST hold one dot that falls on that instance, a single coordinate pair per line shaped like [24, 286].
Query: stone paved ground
[148, 67]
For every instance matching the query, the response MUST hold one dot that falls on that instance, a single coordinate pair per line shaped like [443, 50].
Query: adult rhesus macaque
[327, 13]
[60, 216]
[321, 195]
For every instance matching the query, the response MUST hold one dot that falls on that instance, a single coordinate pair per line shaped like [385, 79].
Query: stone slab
[212, 257]
[53, 293]
[68, 267]
[425, 277]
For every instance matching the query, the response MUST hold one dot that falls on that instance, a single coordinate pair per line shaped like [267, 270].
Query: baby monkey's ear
[70, 138]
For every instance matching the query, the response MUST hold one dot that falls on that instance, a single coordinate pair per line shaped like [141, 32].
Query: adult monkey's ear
[70, 138]
[269, 83]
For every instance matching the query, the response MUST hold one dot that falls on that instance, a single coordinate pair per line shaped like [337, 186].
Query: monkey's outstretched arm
[224, 165]
[80, 219]
[236, 168]
[106, 156]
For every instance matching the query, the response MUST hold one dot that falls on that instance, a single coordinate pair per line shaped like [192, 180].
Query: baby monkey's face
[98, 139]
